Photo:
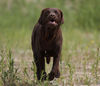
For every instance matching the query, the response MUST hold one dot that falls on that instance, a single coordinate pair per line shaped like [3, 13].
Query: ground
[79, 64]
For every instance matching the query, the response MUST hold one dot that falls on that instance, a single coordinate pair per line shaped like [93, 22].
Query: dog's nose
[52, 15]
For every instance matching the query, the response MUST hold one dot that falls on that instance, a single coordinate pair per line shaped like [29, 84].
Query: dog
[47, 42]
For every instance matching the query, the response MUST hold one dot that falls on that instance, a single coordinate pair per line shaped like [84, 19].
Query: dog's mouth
[53, 22]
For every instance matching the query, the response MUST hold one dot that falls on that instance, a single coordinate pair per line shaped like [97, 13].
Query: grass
[79, 64]
[7, 70]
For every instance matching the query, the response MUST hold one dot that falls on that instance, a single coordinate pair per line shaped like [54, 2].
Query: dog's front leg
[55, 68]
[40, 64]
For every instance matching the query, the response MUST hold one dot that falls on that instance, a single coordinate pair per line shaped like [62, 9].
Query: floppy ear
[62, 18]
[41, 17]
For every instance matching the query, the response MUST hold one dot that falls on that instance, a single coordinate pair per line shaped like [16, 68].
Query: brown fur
[47, 42]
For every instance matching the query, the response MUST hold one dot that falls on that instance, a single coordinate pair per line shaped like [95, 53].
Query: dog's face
[52, 17]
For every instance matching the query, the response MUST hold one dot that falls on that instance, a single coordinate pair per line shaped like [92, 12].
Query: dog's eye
[56, 11]
[47, 12]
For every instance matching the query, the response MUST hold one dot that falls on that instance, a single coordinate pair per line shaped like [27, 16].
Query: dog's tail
[48, 60]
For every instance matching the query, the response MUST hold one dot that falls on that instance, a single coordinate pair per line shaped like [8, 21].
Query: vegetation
[80, 60]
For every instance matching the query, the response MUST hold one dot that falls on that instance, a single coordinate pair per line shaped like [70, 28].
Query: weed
[9, 74]
[71, 73]
[95, 67]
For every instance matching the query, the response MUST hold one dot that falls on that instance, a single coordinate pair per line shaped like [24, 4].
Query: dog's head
[52, 17]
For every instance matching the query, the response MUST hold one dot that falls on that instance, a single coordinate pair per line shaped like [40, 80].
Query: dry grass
[79, 63]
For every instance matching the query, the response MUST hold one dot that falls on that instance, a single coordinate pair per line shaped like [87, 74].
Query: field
[80, 58]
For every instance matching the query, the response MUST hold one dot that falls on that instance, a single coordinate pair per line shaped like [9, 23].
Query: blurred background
[81, 38]
[17, 17]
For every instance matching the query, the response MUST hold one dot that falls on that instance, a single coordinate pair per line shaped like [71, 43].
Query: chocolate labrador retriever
[47, 42]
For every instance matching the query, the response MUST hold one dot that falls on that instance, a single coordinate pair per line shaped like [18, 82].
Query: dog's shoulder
[37, 26]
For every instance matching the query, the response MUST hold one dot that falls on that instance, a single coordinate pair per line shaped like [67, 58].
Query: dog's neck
[50, 33]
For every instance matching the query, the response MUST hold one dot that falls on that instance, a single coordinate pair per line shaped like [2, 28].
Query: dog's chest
[48, 45]
[47, 41]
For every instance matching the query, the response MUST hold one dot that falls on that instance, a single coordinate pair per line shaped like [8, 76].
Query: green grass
[80, 57]
[79, 62]
[24, 13]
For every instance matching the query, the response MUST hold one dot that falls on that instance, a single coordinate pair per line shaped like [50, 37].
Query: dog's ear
[62, 18]
[42, 16]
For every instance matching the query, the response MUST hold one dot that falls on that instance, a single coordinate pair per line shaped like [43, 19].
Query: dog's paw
[44, 76]
[57, 74]
[51, 76]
